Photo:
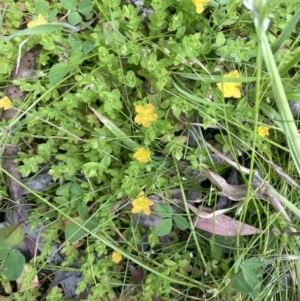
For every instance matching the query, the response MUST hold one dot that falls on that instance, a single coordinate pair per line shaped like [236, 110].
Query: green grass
[77, 125]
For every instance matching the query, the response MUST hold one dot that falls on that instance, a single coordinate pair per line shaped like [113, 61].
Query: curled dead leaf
[223, 225]
[233, 192]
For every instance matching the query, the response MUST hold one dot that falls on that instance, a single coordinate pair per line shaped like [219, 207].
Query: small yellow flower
[230, 89]
[145, 115]
[263, 131]
[5, 103]
[40, 21]
[116, 257]
[142, 155]
[141, 203]
[199, 5]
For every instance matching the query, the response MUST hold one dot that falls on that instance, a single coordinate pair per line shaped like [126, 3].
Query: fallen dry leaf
[137, 274]
[233, 192]
[223, 225]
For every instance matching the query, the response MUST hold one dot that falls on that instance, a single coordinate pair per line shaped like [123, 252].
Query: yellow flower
[199, 5]
[141, 204]
[263, 131]
[142, 155]
[40, 21]
[145, 115]
[116, 257]
[230, 89]
[5, 103]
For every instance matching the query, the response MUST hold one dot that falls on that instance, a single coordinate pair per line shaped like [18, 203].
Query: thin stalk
[191, 223]
[288, 122]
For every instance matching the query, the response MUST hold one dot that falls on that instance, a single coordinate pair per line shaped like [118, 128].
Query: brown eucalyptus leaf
[137, 274]
[233, 192]
[283, 175]
[224, 225]
[130, 292]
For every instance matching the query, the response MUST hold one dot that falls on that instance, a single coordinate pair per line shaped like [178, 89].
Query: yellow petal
[142, 155]
[41, 20]
[199, 8]
[152, 117]
[139, 109]
[149, 108]
[147, 210]
[5, 103]
[234, 74]
[31, 24]
[116, 257]
[149, 202]
[145, 123]
[263, 131]
[236, 93]
[136, 209]
[138, 118]
[141, 194]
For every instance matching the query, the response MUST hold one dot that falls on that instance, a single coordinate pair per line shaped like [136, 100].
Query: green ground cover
[163, 138]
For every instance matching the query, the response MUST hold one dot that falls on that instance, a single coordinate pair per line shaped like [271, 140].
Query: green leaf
[64, 189]
[45, 28]
[108, 35]
[73, 232]
[12, 235]
[4, 249]
[90, 169]
[41, 8]
[13, 265]
[220, 39]
[82, 210]
[164, 210]
[170, 263]
[58, 72]
[112, 103]
[60, 200]
[181, 222]
[75, 188]
[68, 4]
[164, 227]
[116, 131]
[87, 47]
[241, 285]
[250, 276]
[92, 223]
[74, 18]
[254, 263]
[130, 79]
[52, 14]
[238, 263]
[85, 7]
[216, 248]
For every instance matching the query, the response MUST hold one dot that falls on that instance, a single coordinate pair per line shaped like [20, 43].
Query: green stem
[287, 119]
